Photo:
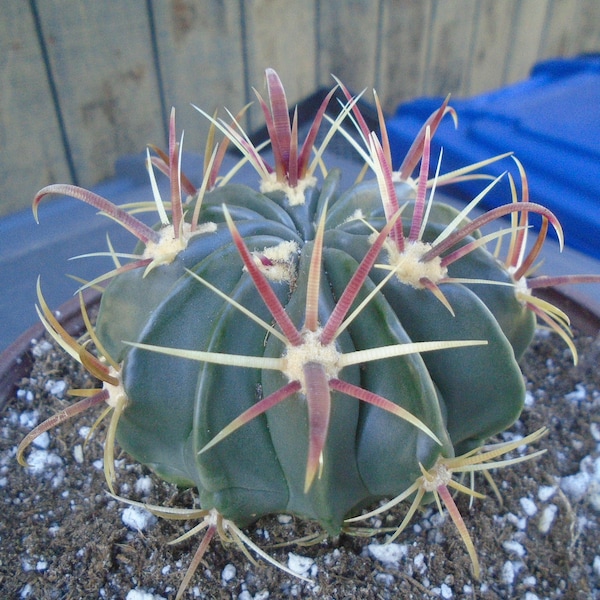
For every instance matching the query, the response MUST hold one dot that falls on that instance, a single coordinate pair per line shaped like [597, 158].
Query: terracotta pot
[81, 531]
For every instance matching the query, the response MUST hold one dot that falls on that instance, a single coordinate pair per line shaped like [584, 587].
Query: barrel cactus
[307, 349]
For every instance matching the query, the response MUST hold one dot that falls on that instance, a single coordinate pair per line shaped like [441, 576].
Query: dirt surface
[62, 536]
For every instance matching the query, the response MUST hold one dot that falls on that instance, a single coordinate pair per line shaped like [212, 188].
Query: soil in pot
[62, 536]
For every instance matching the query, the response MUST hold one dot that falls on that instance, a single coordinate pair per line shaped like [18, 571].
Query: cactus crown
[307, 349]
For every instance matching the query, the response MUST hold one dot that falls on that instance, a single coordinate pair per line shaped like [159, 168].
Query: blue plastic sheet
[552, 124]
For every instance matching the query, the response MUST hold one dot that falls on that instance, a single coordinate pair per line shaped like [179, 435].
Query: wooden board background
[83, 82]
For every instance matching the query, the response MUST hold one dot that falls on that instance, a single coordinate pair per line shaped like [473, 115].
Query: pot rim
[16, 360]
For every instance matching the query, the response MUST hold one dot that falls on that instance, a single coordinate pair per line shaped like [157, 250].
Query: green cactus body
[307, 349]
[463, 395]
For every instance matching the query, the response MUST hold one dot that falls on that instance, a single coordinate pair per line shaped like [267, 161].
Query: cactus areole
[306, 349]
